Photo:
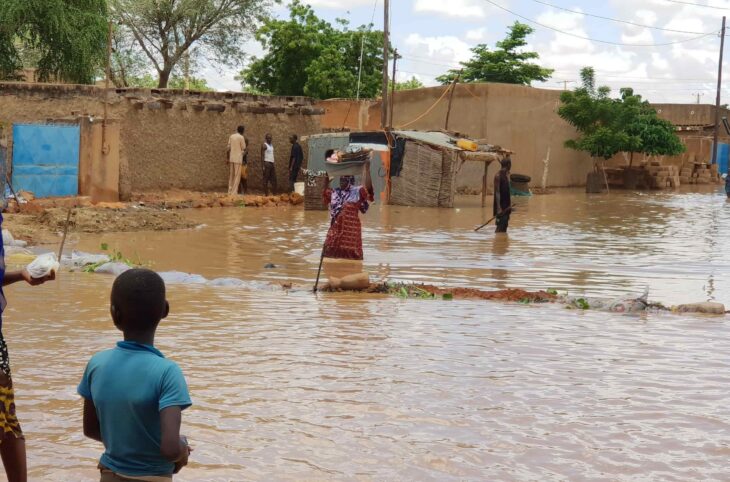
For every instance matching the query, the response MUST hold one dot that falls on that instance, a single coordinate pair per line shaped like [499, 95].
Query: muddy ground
[46, 227]
[41, 221]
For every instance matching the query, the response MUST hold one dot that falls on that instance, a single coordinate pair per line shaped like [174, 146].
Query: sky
[667, 50]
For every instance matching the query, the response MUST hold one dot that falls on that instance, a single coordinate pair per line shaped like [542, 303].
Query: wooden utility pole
[106, 85]
[186, 68]
[698, 94]
[392, 89]
[719, 89]
[386, 49]
[565, 83]
[451, 98]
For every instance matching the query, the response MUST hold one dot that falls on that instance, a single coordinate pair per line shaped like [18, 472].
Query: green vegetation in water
[552, 291]
[405, 291]
[114, 257]
[448, 296]
[582, 304]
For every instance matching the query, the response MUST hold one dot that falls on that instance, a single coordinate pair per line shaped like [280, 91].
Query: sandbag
[8, 240]
[179, 278]
[43, 266]
[353, 282]
[112, 268]
[706, 307]
[79, 259]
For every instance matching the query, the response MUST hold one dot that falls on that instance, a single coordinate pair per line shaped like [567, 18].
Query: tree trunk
[631, 159]
[164, 78]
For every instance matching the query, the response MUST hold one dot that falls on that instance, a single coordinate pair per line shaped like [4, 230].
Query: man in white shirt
[269, 164]
[236, 148]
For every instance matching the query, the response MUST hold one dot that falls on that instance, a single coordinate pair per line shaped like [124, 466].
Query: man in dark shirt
[502, 198]
[295, 160]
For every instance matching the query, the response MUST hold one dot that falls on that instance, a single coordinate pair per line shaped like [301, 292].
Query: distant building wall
[169, 139]
[522, 119]
[350, 114]
[519, 118]
[689, 114]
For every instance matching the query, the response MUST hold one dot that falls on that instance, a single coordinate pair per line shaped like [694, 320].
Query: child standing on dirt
[134, 396]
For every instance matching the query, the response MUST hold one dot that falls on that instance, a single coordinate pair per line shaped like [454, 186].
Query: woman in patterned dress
[344, 238]
[12, 442]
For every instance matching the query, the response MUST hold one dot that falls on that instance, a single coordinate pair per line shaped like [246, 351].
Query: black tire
[520, 178]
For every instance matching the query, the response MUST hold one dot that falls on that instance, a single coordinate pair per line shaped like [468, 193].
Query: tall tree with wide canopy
[167, 30]
[66, 39]
[507, 64]
[306, 55]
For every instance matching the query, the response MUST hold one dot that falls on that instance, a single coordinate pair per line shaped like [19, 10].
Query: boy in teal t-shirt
[134, 396]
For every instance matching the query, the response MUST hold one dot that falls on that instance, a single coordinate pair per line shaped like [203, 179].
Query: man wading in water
[502, 198]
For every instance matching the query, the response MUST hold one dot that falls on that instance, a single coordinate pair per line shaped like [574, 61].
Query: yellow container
[467, 145]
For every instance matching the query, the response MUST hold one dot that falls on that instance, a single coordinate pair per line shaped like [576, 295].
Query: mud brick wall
[180, 141]
[171, 139]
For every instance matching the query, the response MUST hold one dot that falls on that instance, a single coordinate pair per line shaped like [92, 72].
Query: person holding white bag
[12, 441]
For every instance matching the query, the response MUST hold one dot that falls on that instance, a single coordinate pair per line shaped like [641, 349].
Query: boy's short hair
[138, 299]
[294, 137]
[241, 129]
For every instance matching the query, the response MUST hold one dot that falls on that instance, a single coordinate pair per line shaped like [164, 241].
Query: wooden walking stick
[321, 259]
[493, 218]
[65, 232]
[10, 185]
[319, 271]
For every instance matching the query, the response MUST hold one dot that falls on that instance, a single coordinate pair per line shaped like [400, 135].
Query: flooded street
[292, 386]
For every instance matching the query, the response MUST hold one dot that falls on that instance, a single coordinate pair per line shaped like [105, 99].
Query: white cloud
[445, 48]
[452, 8]
[646, 17]
[638, 36]
[659, 62]
[476, 35]
[568, 22]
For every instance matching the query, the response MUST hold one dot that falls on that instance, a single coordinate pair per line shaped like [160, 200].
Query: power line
[578, 12]
[592, 39]
[695, 4]
[362, 49]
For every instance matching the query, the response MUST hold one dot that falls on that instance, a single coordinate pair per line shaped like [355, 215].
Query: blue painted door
[723, 152]
[46, 159]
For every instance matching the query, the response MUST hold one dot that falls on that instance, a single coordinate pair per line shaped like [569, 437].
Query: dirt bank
[429, 291]
[178, 199]
[45, 227]
[39, 221]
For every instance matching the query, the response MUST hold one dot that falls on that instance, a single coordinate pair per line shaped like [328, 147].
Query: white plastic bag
[43, 265]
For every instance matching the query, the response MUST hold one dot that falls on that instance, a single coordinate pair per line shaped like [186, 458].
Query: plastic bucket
[299, 188]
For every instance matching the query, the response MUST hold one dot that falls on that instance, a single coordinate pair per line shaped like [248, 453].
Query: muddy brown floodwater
[292, 386]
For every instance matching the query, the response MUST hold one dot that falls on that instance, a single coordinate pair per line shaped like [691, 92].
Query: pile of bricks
[700, 173]
[662, 177]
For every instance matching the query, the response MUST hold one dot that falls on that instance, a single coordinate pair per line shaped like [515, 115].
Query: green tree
[507, 64]
[167, 31]
[128, 61]
[609, 126]
[410, 84]
[309, 56]
[147, 81]
[64, 40]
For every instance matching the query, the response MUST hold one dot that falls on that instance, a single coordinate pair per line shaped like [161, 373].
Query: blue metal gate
[723, 152]
[46, 159]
